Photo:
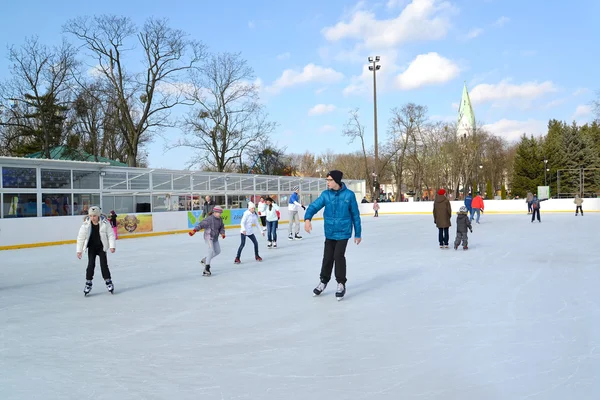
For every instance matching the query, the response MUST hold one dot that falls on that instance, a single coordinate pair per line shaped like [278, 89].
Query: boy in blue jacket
[341, 215]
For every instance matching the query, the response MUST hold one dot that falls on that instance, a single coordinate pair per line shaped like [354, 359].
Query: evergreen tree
[503, 192]
[528, 171]
[579, 156]
[489, 192]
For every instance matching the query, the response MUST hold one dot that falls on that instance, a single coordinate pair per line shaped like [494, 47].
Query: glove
[223, 236]
[471, 230]
[192, 233]
[304, 208]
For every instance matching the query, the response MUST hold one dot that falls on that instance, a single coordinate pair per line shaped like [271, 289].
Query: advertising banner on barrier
[230, 217]
[132, 223]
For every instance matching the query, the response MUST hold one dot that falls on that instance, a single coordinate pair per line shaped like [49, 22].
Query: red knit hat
[441, 192]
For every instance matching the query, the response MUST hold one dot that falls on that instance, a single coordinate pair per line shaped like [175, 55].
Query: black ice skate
[340, 292]
[203, 261]
[291, 237]
[206, 271]
[298, 237]
[319, 289]
[109, 286]
[88, 287]
[269, 245]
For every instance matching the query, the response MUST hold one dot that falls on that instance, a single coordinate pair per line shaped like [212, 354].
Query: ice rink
[517, 316]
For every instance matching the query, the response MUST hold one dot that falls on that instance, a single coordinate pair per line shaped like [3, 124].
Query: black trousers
[579, 209]
[243, 243]
[263, 220]
[443, 236]
[92, 253]
[334, 252]
[536, 211]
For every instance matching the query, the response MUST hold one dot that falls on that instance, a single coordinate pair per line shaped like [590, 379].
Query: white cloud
[474, 33]
[512, 130]
[581, 91]
[582, 111]
[505, 90]
[427, 69]
[284, 56]
[419, 20]
[320, 90]
[310, 73]
[251, 24]
[396, 3]
[327, 128]
[500, 22]
[320, 109]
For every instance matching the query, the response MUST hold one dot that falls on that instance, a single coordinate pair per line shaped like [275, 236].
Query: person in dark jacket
[113, 222]
[442, 212]
[463, 222]
[341, 215]
[208, 206]
[213, 227]
[535, 208]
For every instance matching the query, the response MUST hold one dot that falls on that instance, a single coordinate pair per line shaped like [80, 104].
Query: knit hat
[336, 175]
[441, 192]
[250, 205]
[295, 188]
[217, 209]
[94, 210]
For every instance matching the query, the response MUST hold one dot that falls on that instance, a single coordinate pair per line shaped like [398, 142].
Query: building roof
[67, 154]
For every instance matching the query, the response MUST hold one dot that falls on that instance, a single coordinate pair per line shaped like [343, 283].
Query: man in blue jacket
[468, 204]
[341, 215]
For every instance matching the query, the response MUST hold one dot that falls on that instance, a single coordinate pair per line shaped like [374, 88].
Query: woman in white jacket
[97, 236]
[249, 220]
[272, 214]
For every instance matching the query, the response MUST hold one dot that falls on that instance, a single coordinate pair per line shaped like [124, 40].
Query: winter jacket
[208, 207]
[535, 203]
[248, 219]
[442, 211]
[107, 235]
[468, 202]
[272, 213]
[113, 220]
[578, 201]
[294, 204]
[376, 206]
[261, 208]
[463, 222]
[477, 202]
[341, 213]
[213, 227]
[529, 197]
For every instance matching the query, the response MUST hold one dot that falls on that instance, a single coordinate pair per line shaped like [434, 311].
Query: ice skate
[340, 292]
[258, 258]
[203, 261]
[465, 247]
[206, 271]
[88, 288]
[274, 245]
[237, 260]
[290, 237]
[319, 289]
[109, 286]
[297, 237]
[269, 245]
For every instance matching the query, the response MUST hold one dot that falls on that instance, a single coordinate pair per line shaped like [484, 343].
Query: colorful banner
[230, 217]
[134, 223]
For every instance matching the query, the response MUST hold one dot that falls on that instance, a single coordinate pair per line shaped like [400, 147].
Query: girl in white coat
[249, 221]
[97, 237]
[272, 214]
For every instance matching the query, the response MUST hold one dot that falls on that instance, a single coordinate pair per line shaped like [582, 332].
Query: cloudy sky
[524, 62]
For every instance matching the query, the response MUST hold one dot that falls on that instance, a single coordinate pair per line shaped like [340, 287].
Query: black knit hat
[337, 176]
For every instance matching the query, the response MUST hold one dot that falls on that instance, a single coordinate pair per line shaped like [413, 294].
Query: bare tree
[35, 100]
[228, 116]
[355, 130]
[143, 99]
[596, 106]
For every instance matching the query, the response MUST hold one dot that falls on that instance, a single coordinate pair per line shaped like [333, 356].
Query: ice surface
[516, 316]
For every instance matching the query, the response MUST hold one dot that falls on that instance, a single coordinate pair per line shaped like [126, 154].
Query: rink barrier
[121, 236]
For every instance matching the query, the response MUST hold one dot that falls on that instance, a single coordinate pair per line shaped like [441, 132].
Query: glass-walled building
[48, 188]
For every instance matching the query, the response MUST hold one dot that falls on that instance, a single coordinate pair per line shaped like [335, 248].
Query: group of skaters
[341, 217]
[442, 216]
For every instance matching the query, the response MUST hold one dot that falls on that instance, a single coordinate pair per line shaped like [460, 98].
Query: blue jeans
[272, 230]
[251, 237]
[478, 211]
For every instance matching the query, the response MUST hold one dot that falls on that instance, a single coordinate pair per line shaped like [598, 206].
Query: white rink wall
[490, 206]
[39, 231]
[30, 232]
